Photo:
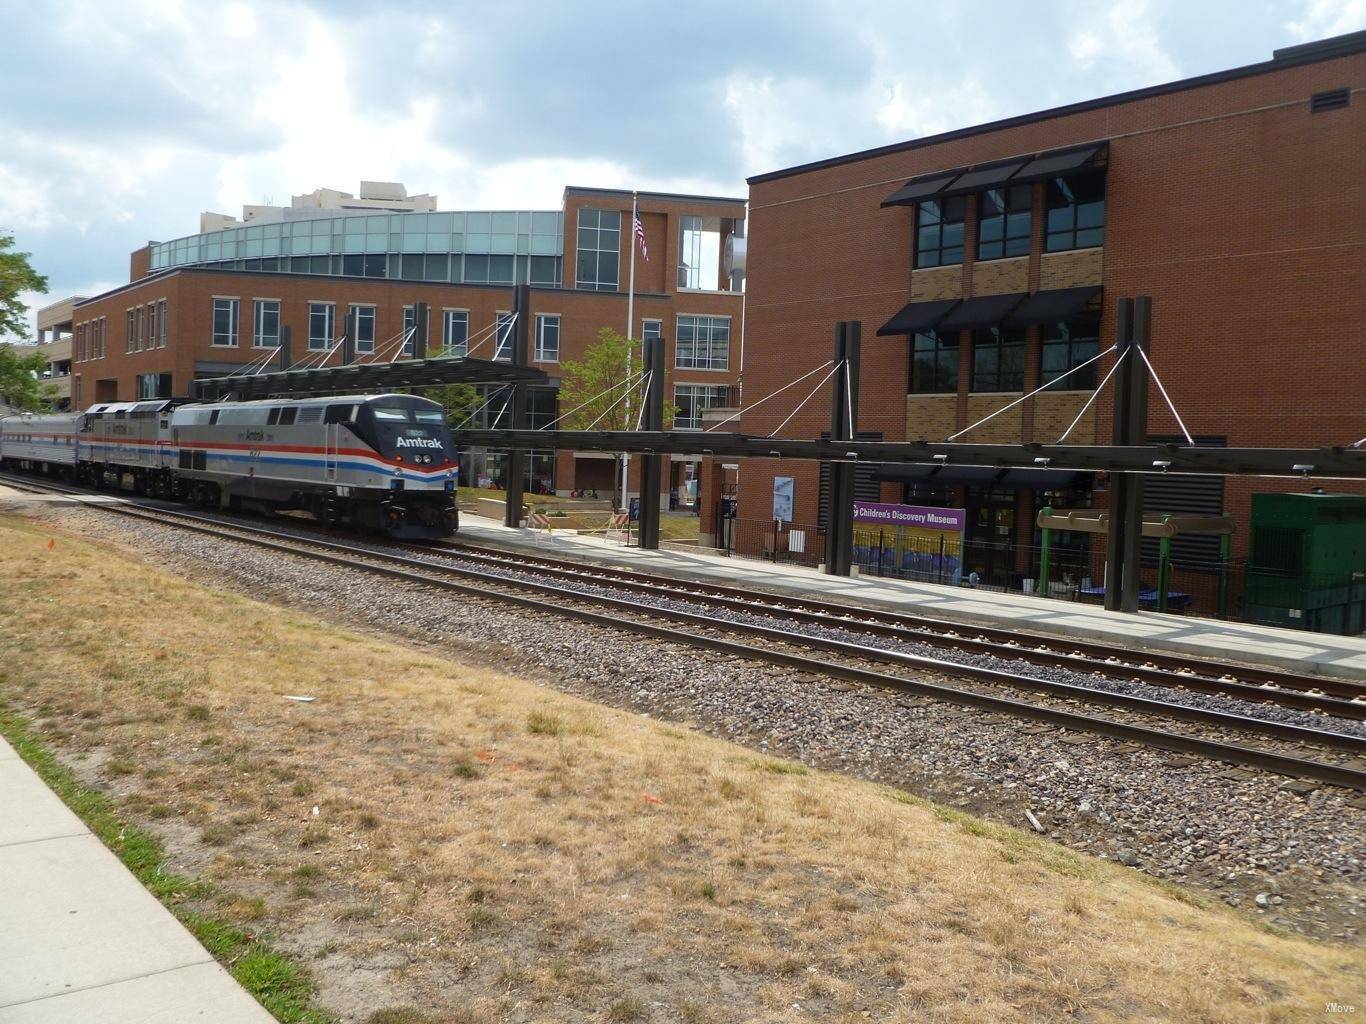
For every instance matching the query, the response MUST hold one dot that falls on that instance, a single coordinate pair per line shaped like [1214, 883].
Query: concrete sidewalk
[1211, 638]
[81, 940]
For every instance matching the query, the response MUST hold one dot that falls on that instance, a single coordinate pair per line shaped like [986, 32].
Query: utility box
[1307, 565]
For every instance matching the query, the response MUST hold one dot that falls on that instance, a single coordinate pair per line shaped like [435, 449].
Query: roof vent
[1330, 99]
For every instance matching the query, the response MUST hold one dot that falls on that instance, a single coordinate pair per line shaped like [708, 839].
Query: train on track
[380, 462]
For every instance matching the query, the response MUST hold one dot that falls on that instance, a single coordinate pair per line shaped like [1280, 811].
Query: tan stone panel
[1070, 269]
[937, 283]
[1004, 429]
[1054, 410]
[1001, 277]
[930, 417]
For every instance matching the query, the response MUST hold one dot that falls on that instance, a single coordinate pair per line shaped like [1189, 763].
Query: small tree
[16, 275]
[604, 366]
[20, 384]
[459, 401]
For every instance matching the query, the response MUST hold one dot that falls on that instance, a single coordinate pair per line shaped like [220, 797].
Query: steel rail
[845, 617]
[1274, 681]
[353, 557]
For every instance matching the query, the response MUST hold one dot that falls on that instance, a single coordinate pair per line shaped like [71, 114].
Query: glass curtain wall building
[490, 247]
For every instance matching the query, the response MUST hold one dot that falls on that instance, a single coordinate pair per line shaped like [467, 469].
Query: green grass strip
[279, 984]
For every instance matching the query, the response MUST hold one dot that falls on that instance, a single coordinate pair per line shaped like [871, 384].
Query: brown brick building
[206, 305]
[985, 262]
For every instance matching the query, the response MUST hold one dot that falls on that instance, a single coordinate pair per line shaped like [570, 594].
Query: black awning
[986, 176]
[1052, 307]
[927, 186]
[983, 476]
[1059, 161]
[982, 311]
[917, 316]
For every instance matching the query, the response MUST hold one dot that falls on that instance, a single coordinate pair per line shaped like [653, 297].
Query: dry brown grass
[486, 848]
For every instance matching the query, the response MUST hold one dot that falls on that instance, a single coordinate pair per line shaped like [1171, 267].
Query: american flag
[640, 237]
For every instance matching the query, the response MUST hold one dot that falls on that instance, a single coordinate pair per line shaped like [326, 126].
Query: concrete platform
[81, 939]
[1211, 638]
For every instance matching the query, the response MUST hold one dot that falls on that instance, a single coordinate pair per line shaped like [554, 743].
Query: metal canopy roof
[1052, 307]
[356, 377]
[1335, 462]
[981, 311]
[917, 316]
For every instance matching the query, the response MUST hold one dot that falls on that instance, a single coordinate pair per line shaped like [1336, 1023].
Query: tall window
[153, 332]
[548, 338]
[364, 319]
[1003, 222]
[934, 363]
[141, 341]
[998, 358]
[103, 324]
[78, 344]
[1076, 212]
[599, 250]
[699, 252]
[225, 321]
[161, 323]
[939, 232]
[1067, 345]
[703, 343]
[322, 318]
[455, 332]
[129, 327]
[265, 332]
[409, 329]
[692, 400]
[502, 332]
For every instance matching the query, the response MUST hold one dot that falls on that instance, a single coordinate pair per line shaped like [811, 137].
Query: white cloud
[1124, 37]
[1322, 18]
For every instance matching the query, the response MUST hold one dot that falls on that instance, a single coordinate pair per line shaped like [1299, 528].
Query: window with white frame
[409, 329]
[161, 323]
[364, 319]
[455, 332]
[265, 332]
[322, 320]
[703, 343]
[547, 337]
[692, 400]
[151, 325]
[225, 321]
[141, 341]
[598, 254]
[651, 329]
[128, 328]
[502, 331]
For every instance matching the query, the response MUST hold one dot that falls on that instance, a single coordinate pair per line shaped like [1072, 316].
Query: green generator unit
[1307, 566]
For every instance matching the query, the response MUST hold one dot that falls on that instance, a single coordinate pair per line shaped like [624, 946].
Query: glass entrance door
[988, 549]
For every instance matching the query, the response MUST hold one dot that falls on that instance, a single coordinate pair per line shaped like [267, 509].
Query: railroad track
[1251, 682]
[856, 663]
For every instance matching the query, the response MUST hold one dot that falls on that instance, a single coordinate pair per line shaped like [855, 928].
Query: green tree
[604, 368]
[16, 275]
[459, 400]
[20, 385]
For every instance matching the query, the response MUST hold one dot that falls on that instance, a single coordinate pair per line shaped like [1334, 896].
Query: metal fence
[1223, 588]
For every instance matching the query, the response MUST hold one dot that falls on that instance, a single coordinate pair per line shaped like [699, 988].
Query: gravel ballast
[1290, 856]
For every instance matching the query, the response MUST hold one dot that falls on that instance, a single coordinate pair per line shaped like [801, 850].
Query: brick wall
[1240, 212]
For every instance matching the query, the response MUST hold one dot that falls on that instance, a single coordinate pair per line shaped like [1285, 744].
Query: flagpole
[630, 320]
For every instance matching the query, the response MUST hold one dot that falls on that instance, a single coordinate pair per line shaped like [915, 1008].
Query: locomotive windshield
[410, 428]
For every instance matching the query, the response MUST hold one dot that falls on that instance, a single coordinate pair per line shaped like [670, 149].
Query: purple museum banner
[919, 517]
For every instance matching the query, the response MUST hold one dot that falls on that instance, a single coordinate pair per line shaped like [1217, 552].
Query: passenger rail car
[385, 462]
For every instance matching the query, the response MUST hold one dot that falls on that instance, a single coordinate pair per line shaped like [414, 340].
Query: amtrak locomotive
[385, 462]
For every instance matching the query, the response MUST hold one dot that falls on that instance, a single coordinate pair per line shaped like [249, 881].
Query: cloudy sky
[123, 119]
